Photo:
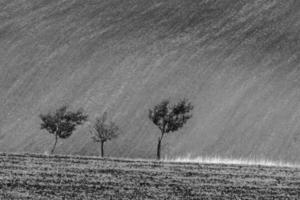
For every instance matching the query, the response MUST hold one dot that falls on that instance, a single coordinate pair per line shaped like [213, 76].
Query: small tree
[169, 118]
[103, 131]
[62, 123]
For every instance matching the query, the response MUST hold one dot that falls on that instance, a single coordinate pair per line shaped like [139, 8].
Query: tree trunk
[158, 148]
[53, 148]
[102, 149]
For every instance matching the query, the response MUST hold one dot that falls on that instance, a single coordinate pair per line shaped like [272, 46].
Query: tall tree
[62, 123]
[103, 131]
[169, 118]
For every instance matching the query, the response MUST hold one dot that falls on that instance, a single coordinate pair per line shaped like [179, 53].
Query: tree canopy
[169, 118]
[62, 123]
[103, 131]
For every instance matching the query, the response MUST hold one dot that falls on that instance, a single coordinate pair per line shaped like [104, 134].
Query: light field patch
[231, 161]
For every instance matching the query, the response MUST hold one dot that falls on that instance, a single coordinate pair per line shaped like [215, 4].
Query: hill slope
[236, 60]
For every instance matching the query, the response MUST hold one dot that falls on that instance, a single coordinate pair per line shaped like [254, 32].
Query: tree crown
[62, 122]
[169, 118]
[103, 131]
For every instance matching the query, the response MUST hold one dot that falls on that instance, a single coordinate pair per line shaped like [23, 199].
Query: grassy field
[69, 177]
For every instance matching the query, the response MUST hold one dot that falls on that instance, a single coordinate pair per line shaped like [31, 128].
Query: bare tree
[62, 123]
[169, 118]
[103, 131]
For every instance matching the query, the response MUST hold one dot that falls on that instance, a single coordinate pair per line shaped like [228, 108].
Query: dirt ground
[70, 177]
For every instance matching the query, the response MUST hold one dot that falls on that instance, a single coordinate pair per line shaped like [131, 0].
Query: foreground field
[69, 177]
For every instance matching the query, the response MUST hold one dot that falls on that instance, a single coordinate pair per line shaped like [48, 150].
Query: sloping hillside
[238, 61]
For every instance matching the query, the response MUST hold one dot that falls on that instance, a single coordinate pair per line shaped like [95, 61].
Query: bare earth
[70, 177]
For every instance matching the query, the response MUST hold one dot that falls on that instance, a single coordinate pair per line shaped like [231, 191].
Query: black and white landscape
[236, 61]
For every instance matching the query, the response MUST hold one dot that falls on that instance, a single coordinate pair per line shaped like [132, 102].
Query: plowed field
[69, 177]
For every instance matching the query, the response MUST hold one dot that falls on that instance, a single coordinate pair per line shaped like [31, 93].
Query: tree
[169, 118]
[103, 131]
[62, 123]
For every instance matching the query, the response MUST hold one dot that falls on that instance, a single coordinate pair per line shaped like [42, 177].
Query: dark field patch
[69, 177]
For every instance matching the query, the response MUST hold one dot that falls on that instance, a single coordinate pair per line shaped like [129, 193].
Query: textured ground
[64, 177]
[237, 61]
